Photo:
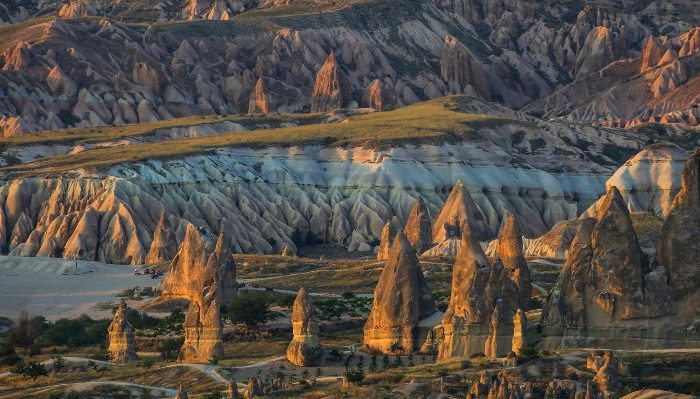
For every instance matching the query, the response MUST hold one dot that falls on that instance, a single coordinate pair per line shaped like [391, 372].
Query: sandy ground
[54, 288]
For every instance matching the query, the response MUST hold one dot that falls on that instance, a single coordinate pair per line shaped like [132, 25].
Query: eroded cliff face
[59, 74]
[260, 197]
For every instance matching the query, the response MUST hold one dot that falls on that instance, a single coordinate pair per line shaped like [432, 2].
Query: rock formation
[254, 388]
[461, 70]
[484, 301]
[187, 276]
[679, 249]
[386, 239]
[259, 102]
[607, 378]
[163, 247]
[401, 300]
[305, 349]
[509, 249]
[609, 288]
[121, 336]
[331, 87]
[203, 326]
[419, 230]
[458, 208]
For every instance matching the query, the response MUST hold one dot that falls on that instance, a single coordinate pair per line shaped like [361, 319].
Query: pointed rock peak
[419, 231]
[458, 213]
[232, 390]
[689, 194]
[509, 249]
[259, 102]
[651, 54]
[331, 89]
[613, 203]
[386, 239]
[470, 251]
[401, 246]
[509, 234]
[303, 308]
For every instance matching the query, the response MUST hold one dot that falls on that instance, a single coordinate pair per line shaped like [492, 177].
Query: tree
[355, 376]
[250, 309]
[30, 369]
[59, 363]
[26, 331]
[170, 348]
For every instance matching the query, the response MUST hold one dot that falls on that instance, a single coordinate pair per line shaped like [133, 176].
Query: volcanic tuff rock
[197, 264]
[259, 102]
[386, 239]
[331, 87]
[607, 377]
[203, 327]
[459, 208]
[609, 289]
[483, 304]
[305, 349]
[163, 246]
[181, 394]
[419, 230]
[401, 300]
[509, 250]
[232, 390]
[121, 336]
[679, 247]
[391, 56]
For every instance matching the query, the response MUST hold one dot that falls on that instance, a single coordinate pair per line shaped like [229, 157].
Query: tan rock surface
[163, 246]
[386, 240]
[259, 102]
[509, 249]
[331, 87]
[401, 300]
[122, 348]
[305, 349]
[460, 210]
[419, 229]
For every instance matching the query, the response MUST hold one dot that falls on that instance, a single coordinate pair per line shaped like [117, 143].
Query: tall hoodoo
[305, 349]
[259, 102]
[203, 326]
[509, 249]
[419, 230]
[483, 303]
[331, 87]
[186, 277]
[458, 211]
[163, 247]
[121, 336]
[401, 300]
[679, 247]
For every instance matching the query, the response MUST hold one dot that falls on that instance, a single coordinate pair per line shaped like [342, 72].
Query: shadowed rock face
[483, 303]
[679, 247]
[419, 230]
[401, 300]
[305, 349]
[609, 290]
[509, 249]
[188, 273]
[460, 210]
[121, 336]
[331, 87]
[203, 327]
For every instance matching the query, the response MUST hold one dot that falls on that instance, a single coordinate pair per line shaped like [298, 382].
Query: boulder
[121, 336]
[305, 349]
[401, 300]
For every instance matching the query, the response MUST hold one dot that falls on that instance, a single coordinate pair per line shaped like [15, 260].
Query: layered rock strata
[122, 348]
[401, 300]
[305, 349]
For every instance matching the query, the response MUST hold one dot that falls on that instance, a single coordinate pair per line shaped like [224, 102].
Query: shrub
[170, 348]
[250, 309]
[355, 376]
[30, 369]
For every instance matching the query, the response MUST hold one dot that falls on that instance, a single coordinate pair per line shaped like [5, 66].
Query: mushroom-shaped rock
[509, 249]
[458, 211]
[121, 336]
[419, 230]
[305, 349]
[401, 300]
